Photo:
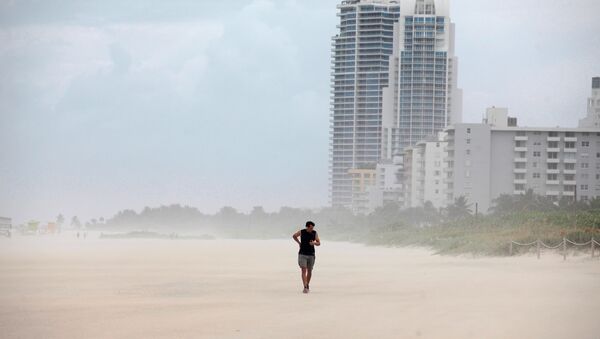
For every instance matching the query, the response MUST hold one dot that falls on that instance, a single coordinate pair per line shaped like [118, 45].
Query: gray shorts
[307, 261]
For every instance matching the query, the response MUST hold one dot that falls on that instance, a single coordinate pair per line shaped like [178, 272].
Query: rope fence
[539, 244]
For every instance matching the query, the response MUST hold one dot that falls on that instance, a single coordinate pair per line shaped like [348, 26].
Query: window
[552, 176]
[552, 166]
[585, 165]
[468, 130]
[585, 144]
[536, 175]
[584, 198]
[468, 141]
[537, 154]
[552, 144]
[597, 155]
[552, 155]
[552, 134]
[467, 174]
[569, 134]
[468, 152]
[569, 166]
[534, 164]
[569, 144]
[584, 187]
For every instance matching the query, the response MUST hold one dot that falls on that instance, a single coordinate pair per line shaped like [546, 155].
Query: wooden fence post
[538, 248]
[564, 249]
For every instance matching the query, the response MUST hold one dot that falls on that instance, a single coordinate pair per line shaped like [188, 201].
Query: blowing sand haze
[55, 288]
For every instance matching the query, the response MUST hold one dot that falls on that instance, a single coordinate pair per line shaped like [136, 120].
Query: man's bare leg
[304, 276]
[308, 276]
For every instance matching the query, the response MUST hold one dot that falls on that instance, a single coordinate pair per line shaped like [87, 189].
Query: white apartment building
[489, 159]
[424, 173]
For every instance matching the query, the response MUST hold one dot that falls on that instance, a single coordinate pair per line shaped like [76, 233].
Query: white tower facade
[592, 120]
[423, 97]
[360, 70]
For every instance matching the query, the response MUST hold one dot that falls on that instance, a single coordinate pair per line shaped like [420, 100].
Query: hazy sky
[106, 105]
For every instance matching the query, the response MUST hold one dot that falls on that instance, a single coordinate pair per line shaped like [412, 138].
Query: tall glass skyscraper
[360, 70]
[423, 97]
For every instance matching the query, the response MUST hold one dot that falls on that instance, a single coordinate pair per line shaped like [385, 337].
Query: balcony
[521, 138]
[553, 160]
[552, 171]
[520, 149]
[520, 170]
[520, 181]
[569, 182]
[570, 150]
[552, 182]
[553, 138]
[551, 192]
[570, 171]
[556, 150]
[520, 159]
[518, 192]
[570, 161]
[569, 193]
[570, 139]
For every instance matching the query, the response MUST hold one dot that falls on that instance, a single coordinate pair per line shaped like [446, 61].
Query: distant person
[306, 256]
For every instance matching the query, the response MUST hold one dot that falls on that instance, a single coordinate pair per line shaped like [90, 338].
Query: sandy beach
[53, 287]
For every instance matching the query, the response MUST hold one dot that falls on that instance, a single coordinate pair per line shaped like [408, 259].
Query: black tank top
[305, 238]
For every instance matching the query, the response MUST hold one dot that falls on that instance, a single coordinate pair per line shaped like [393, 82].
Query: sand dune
[65, 288]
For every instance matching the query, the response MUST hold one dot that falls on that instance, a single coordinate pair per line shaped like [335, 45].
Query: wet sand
[68, 288]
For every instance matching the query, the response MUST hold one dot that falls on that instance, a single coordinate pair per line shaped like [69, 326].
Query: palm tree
[459, 209]
[503, 204]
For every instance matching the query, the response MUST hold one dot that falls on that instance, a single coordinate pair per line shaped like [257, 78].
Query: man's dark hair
[310, 223]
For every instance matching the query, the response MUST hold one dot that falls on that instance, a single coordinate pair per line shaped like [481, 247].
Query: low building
[362, 179]
[5, 226]
[387, 187]
[424, 170]
[485, 161]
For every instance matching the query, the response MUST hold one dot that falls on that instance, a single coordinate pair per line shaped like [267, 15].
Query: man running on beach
[306, 255]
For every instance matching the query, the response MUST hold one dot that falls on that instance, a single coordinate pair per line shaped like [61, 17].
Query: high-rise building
[592, 120]
[360, 63]
[423, 97]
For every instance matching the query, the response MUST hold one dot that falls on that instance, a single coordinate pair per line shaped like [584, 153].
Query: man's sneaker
[305, 290]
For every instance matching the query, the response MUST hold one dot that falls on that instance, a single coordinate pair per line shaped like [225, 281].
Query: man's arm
[317, 241]
[295, 237]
